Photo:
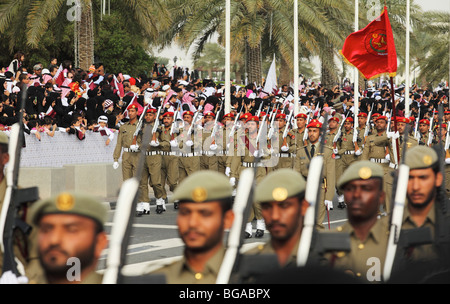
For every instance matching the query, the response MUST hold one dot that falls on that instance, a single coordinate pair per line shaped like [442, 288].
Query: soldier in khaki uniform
[205, 212]
[362, 120]
[424, 128]
[85, 239]
[377, 154]
[333, 127]
[208, 160]
[299, 132]
[303, 158]
[362, 185]
[282, 197]
[246, 149]
[223, 160]
[284, 147]
[169, 150]
[152, 168]
[190, 151]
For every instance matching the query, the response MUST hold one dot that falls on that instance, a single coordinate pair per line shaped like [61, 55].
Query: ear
[228, 219]
[102, 242]
[304, 207]
[439, 179]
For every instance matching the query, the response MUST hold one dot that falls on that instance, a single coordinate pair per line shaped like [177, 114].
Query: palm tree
[32, 18]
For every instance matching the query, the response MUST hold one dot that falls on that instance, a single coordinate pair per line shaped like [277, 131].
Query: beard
[427, 201]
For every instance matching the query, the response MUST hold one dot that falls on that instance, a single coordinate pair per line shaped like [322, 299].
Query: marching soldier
[377, 154]
[299, 132]
[362, 185]
[362, 120]
[285, 146]
[333, 127]
[424, 128]
[208, 160]
[223, 160]
[247, 148]
[303, 158]
[169, 149]
[205, 212]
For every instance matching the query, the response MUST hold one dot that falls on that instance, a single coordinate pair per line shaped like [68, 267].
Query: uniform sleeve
[118, 148]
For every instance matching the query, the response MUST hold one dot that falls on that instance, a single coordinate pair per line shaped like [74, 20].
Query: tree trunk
[254, 64]
[85, 36]
[285, 73]
[328, 68]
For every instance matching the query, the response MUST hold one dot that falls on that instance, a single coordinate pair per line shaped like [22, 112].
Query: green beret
[4, 139]
[362, 169]
[203, 186]
[70, 203]
[279, 185]
[420, 157]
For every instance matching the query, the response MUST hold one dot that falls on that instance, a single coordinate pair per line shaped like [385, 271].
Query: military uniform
[208, 160]
[360, 260]
[190, 151]
[67, 203]
[201, 187]
[301, 165]
[285, 159]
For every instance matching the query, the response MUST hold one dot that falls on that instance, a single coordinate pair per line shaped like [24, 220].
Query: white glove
[154, 143]
[227, 171]
[447, 160]
[189, 143]
[115, 165]
[393, 135]
[213, 147]
[10, 278]
[174, 143]
[328, 204]
[388, 157]
[358, 152]
[335, 151]
[284, 148]
[257, 153]
[134, 148]
[232, 181]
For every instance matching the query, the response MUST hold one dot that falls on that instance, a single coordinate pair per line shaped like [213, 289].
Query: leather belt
[190, 154]
[152, 153]
[167, 153]
[349, 152]
[251, 165]
[129, 150]
[379, 160]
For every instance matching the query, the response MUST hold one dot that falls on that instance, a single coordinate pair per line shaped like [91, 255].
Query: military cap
[314, 124]
[4, 139]
[245, 116]
[168, 114]
[229, 115]
[281, 115]
[188, 113]
[446, 112]
[203, 186]
[362, 169]
[279, 185]
[362, 114]
[444, 126]
[381, 117]
[209, 114]
[334, 118]
[424, 121]
[151, 110]
[77, 203]
[262, 114]
[349, 119]
[420, 157]
[301, 115]
[252, 118]
[375, 115]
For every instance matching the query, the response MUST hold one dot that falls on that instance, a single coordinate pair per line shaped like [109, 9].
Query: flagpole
[407, 114]
[296, 84]
[227, 57]
[395, 117]
[356, 85]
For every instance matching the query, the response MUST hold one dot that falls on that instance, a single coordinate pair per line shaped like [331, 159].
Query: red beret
[446, 112]
[252, 118]
[151, 110]
[314, 124]
[168, 114]
[301, 115]
[362, 114]
[444, 126]
[209, 114]
[349, 119]
[375, 115]
[334, 118]
[245, 116]
[424, 121]
[380, 117]
[403, 119]
[228, 115]
[188, 113]
[262, 114]
[281, 115]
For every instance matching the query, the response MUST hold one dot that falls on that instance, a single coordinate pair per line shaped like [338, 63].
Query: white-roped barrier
[65, 149]
[65, 163]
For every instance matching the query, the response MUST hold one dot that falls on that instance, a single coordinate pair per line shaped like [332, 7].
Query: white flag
[271, 87]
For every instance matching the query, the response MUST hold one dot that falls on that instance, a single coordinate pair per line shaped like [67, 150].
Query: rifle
[305, 135]
[430, 131]
[367, 128]
[272, 121]
[214, 130]
[447, 142]
[139, 124]
[260, 108]
[156, 124]
[339, 132]
[397, 211]
[174, 123]
[233, 128]
[15, 198]
[388, 127]
[416, 127]
[122, 225]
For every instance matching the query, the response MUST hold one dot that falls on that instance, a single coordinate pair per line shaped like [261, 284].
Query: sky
[183, 58]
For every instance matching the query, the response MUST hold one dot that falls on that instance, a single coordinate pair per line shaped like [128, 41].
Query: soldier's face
[209, 118]
[188, 119]
[301, 122]
[332, 124]
[423, 128]
[281, 123]
[252, 126]
[362, 121]
[167, 121]
[201, 225]
[401, 127]
[62, 236]
[227, 121]
[132, 113]
[313, 134]
[363, 198]
[149, 117]
[422, 185]
[284, 219]
[380, 125]
[348, 126]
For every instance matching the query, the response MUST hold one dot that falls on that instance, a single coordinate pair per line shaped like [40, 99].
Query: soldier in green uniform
[362, 120]
[282, 197]
[377, 154]
[190, 152]
[303, 158]
[424, 128]
[285, 146]
[333, 127]
[203, 216]
[362, 185]
[169, 149]
[70, 225]
[299, 132]
[208, 160]
[223, 160]
[246, 150]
